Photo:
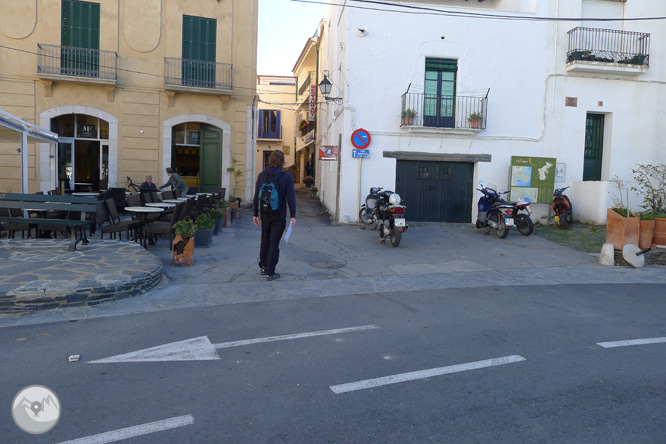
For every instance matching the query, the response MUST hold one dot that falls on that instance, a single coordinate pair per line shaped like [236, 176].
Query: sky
[284, 28]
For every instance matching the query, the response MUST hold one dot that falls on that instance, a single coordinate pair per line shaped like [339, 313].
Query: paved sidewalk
[325, 259]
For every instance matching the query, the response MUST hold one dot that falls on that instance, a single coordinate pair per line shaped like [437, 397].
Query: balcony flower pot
[408, 117]
[621, 230]
[659, 236]
[183, 251]
[475, 120]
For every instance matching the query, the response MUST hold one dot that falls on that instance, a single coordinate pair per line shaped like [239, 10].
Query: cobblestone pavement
[325, 259]
[38, 274]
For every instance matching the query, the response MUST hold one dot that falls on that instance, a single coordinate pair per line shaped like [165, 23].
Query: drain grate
[329, 265]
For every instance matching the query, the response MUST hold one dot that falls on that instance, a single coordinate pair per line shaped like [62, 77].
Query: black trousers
[272, 227]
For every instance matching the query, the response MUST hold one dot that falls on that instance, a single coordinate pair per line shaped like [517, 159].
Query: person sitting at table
[148, 184]
[176, 182]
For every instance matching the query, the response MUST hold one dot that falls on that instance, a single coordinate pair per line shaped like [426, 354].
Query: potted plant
[308, 181]
[304, 124]
[622, 226]
[646, 229]
[651, 183]
[183, 242]
[234, 201]
[217, 213]
[204, 234]
[313, 192]
[659, 236]
[475, 120]
[408, 116]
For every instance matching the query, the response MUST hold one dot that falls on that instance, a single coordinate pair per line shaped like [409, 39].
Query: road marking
[132, 432]
[421, 374]
[294, 336]
[631, 342]
[201, 349]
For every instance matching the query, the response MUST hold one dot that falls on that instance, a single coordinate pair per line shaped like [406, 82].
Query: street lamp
[325, 87]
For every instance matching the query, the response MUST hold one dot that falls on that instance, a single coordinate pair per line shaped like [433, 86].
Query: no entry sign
[361, 139]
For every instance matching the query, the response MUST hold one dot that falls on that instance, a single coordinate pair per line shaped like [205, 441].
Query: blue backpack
[269, 199]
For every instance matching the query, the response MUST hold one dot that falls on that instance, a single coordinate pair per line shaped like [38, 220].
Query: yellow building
[131, 87]
[276, 125]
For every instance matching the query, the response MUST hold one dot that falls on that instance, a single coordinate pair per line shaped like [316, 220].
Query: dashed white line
[631, 342]
[421, 374]
[294, 336]
[131, 432]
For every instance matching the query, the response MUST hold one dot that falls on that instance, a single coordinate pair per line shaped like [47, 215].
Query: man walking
[276, 182]
[176, 182]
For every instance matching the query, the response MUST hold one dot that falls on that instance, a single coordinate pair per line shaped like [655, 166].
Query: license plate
[399, 222]
[508, 221]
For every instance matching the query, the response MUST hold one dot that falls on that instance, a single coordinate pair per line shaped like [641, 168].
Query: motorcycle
[563, 208]
[500, 215]
[383, 208]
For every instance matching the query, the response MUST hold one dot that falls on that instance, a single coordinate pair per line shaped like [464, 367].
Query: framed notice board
[532, 177]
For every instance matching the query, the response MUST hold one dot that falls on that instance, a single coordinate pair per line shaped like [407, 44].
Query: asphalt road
[564, 388]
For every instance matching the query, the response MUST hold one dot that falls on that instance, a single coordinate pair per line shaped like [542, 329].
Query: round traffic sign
[361, 139]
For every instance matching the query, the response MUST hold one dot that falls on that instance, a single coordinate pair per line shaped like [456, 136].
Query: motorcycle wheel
[563, 221]
[479, 224]
[502, 230]
[395, 239]
[524, 224]
[569, 217]
[363, 217]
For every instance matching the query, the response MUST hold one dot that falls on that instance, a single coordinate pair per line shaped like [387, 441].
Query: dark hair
[169, 171]
[276, 159]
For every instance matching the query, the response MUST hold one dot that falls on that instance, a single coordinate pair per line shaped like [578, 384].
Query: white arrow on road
[201, 349]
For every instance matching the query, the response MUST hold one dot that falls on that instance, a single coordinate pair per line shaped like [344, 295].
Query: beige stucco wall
[142, 32]
[282, 95]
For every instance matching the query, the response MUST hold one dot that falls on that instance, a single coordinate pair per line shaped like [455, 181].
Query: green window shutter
[80, 24]
[199, 42]
[66, 27]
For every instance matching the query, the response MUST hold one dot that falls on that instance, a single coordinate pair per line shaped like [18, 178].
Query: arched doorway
[199, 147]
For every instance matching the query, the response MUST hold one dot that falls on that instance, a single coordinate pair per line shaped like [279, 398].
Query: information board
[532, 178]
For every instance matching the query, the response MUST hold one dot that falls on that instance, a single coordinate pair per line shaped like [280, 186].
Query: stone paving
[326, 259]
[37, 274]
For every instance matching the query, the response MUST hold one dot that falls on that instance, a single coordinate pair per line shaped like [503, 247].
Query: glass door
[65, 162]
[439, 93]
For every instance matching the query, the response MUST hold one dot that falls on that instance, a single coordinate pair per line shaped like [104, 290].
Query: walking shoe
[262, 271]
[273, 277]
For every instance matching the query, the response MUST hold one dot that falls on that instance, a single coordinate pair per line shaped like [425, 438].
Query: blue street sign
[360, 154]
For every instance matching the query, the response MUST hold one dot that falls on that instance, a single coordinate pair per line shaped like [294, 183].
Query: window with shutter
[269, 124]
[80, 38]
[199, 47]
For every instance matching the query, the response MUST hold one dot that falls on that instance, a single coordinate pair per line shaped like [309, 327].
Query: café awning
[16, 130]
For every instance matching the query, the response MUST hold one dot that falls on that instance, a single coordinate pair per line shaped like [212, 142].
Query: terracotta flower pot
[183, 254]
[226, 222]
[659, 236]
[645, 234]
[621, 230]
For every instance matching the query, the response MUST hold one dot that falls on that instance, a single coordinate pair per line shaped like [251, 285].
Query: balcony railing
[197, 74]
[77, 62]
[609, 46]
[459, 112]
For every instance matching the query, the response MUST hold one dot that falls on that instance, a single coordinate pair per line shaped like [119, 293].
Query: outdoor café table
[145, 211]
[161, 204]
[85, 194]
[173, 201]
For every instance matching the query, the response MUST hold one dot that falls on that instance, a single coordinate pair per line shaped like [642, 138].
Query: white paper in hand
[286, 236]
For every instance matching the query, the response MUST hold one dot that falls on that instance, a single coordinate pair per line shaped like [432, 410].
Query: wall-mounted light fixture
[325, 87]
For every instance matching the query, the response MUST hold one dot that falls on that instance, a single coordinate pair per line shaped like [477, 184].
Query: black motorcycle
[383, 208]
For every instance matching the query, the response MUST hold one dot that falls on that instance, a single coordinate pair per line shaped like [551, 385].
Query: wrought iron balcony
[183, 74]
[94, 65]
[603, 50]
[452, 112]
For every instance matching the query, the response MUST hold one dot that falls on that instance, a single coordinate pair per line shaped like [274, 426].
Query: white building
[590, 94]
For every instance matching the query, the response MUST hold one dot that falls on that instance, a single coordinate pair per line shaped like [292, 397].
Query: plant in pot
[183, 242]
[622, 226]
[308, 181]
[204, 234]
[408, 116]
[217, 213]
[313, 191]
[303, 125]
[234, 201]
[651, 184]
[475, 120]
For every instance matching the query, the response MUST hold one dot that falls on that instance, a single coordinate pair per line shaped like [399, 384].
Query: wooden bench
[69, 204]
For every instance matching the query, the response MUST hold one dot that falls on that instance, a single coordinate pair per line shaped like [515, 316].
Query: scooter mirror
[481, 183]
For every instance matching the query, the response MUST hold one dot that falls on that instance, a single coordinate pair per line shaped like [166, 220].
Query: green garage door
[436, 191]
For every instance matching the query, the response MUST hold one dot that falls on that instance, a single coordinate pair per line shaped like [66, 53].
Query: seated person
[148, 184]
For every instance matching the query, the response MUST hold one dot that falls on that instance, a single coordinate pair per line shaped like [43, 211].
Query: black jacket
[286, 192]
